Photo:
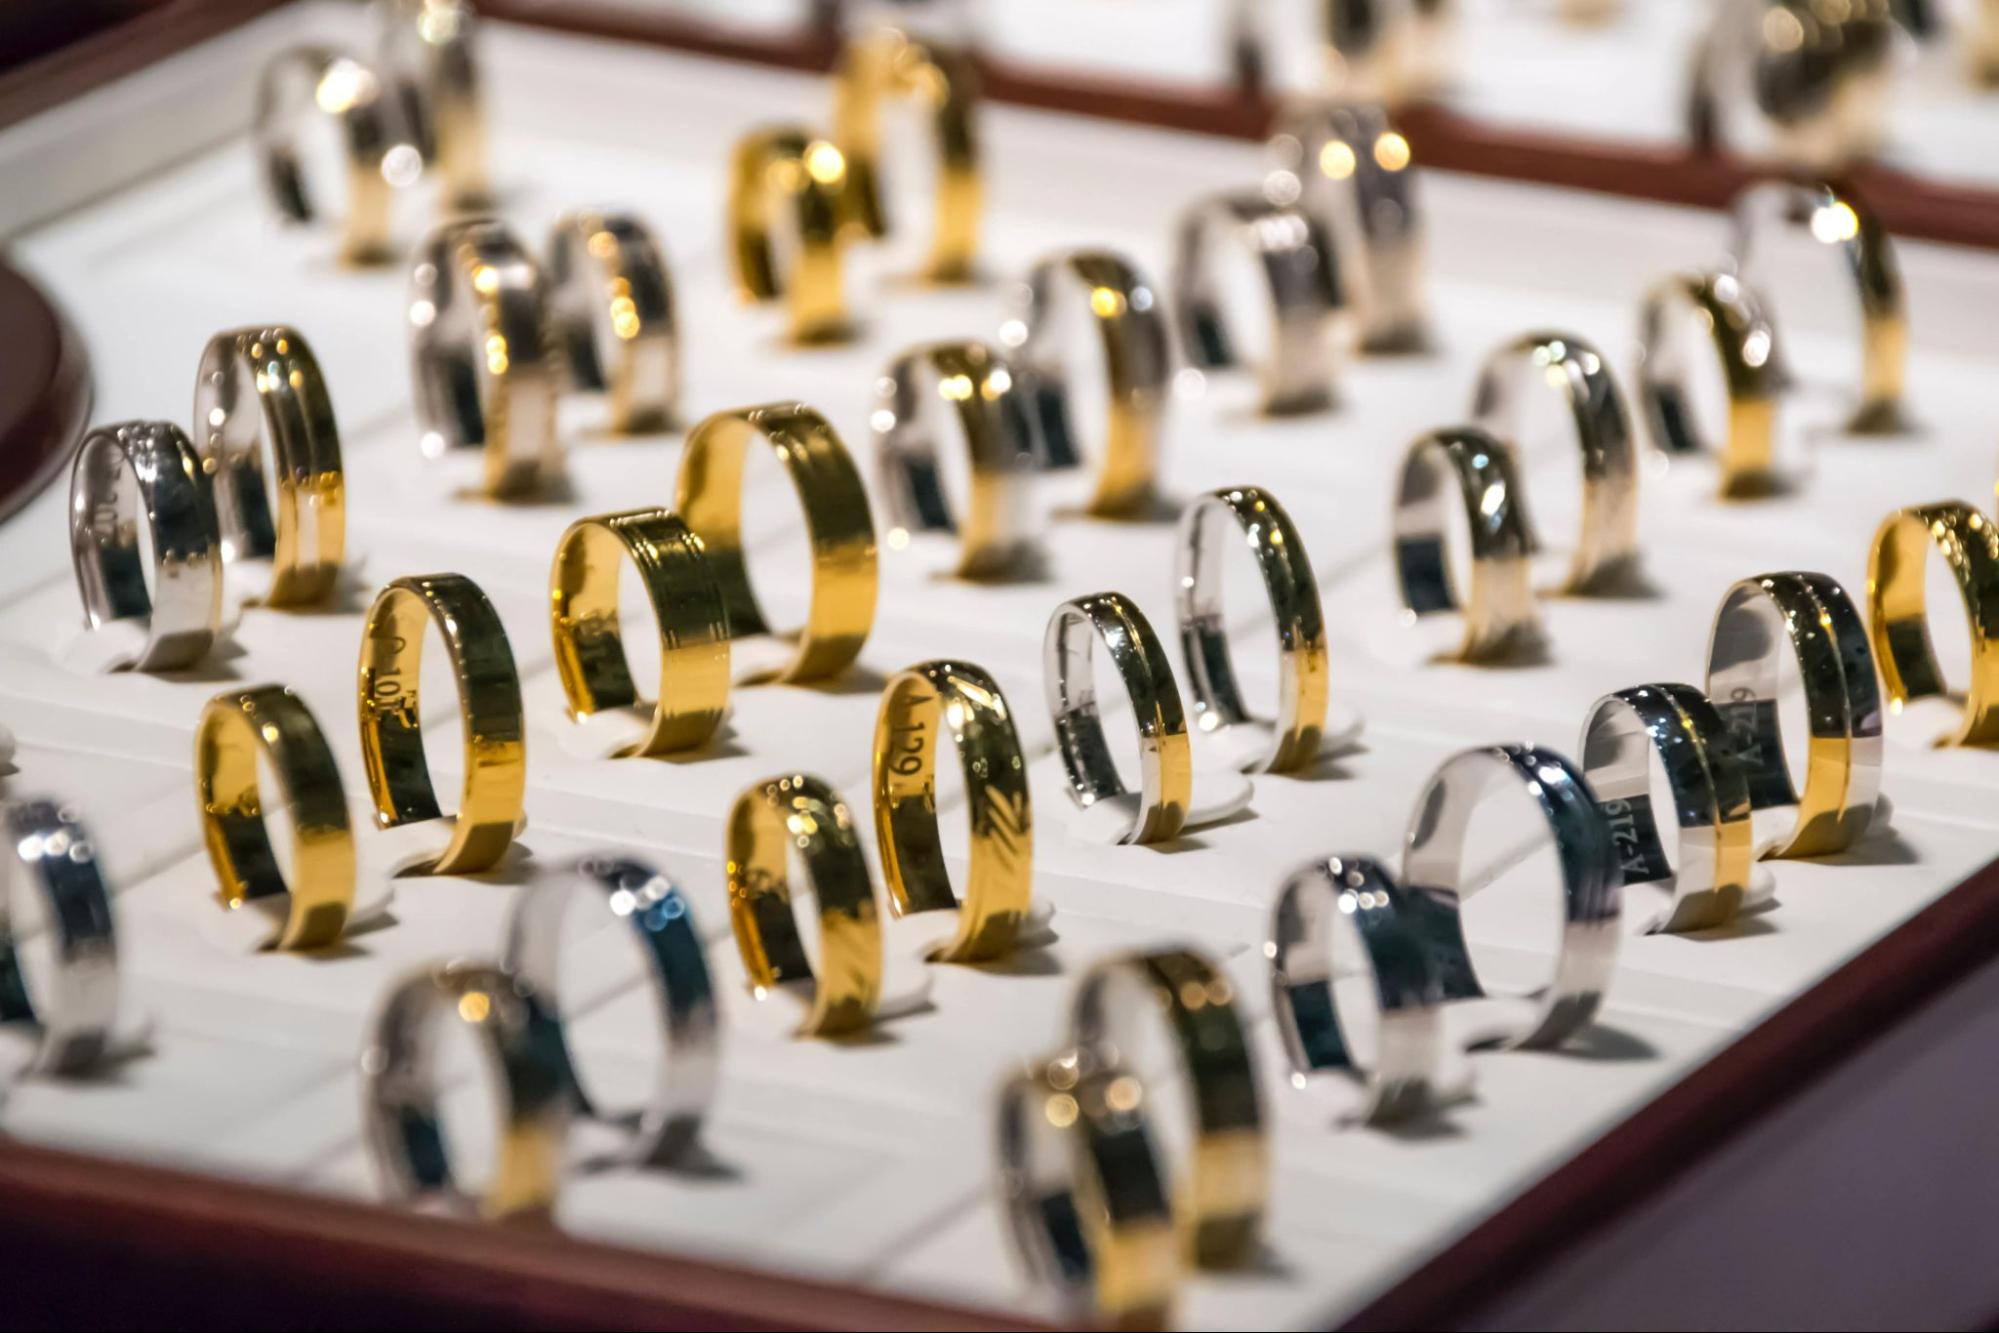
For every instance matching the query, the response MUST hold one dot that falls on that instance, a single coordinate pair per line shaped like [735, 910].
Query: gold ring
[270, 722]
[609, 289]
[1222, 1193]
[489, 705]
[1001, 879]
[709, 497]
[1500, 616]
[806, 177]
[945, 82]
[686, 604]
[305, 540]
[427, 45]
[1898, 620]
[1745, 344]
[318, 80]
[798, 819]
[1985, 45]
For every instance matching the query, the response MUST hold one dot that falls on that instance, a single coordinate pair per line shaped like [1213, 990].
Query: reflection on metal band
[1898, 615]
[611, 304]
[788, 181]
[1745, 345]
[317, 80]
[1466, 468]
[71, 1002]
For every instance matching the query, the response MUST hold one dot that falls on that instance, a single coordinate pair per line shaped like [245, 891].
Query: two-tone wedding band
[1087, 1206]
[799, 822]
[1607, 542]
[1812, 616]
[1838, 218]
[1819, 76]
[1166, 773]
[1744, 343]
[687, 607]
[71, 1005]
[1466, 468]
[147, 472]
[1133, 356]
[787, 182]
[1369, 51]
[269, 726]
[1436, 881]
[651, 906]
[968, 384]
[918, 706]
[1337, 918]
[489, 709]
[1221, 1193]
[427, 47]
[1294, 253]
[485, 376]
[317, 80]
[404, 1128]
[1705, 871]
[943, 81]
[258, 392]
[709, 496]
[1898, 617]
[1209, 527]
[611, 302]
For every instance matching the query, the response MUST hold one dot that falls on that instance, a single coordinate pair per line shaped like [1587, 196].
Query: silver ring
[1302, 277]
[1322, 910]
[74, 1008]
[318, 80]
[1466, 468]
[1434, 887]
[147, 471]
[611, 305]
[657, 912]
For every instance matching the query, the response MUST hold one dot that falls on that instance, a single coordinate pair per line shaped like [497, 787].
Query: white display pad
[870, 1161]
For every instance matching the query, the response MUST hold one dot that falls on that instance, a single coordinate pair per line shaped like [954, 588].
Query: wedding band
[1985, 44]
[608, 289]
[259, 390]
[1820, 76]
[654, 909]
[1434, 886]
[523, 1045]
[426, 46]
[1294, 251]
[1745, 343]
[72, 1008]
[1000, 880]
[1607, 543]
[1714, 845]
[1134, 358]
[687, 607]
[1087, 1207]
[485, 376]
[270, 723]
[1222, 1195]
[944, 82]
[146, 471]
[971, 383]
[1898, 619]
[1466, 465]
[786, 181]
[798, 820]
[1166, 773]
[1208, 527]
[318, 80]
[489, 709]
[1836, 217]
[1305, 929]
[709, 497]
[1811, 614]
[1368, 49]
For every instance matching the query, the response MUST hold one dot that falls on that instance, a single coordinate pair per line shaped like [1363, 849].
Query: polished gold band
[1898, 618]
[792, 170]
[1001, 881]
[271, 722]
[489, 706]
[606, 274]
[838, 523]
[799, 820]
[1744, 342]
[687, 605]
[1468, 465]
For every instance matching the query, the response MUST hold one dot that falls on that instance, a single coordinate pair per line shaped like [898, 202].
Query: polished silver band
[147, 471]
[74, 1008]
[611, 305]
[1466, 468]
[1310, 943]
[1300, 268]
[1434, 879]
[657, 913]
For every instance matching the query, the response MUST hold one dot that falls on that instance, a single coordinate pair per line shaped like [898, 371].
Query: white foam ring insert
[870, 1161]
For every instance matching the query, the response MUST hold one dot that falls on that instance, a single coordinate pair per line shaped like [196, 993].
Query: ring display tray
[851, 1182]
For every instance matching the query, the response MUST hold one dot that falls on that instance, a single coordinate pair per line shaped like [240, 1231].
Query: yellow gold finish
[1898, 620]
[786, 170]
[1745, 344]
